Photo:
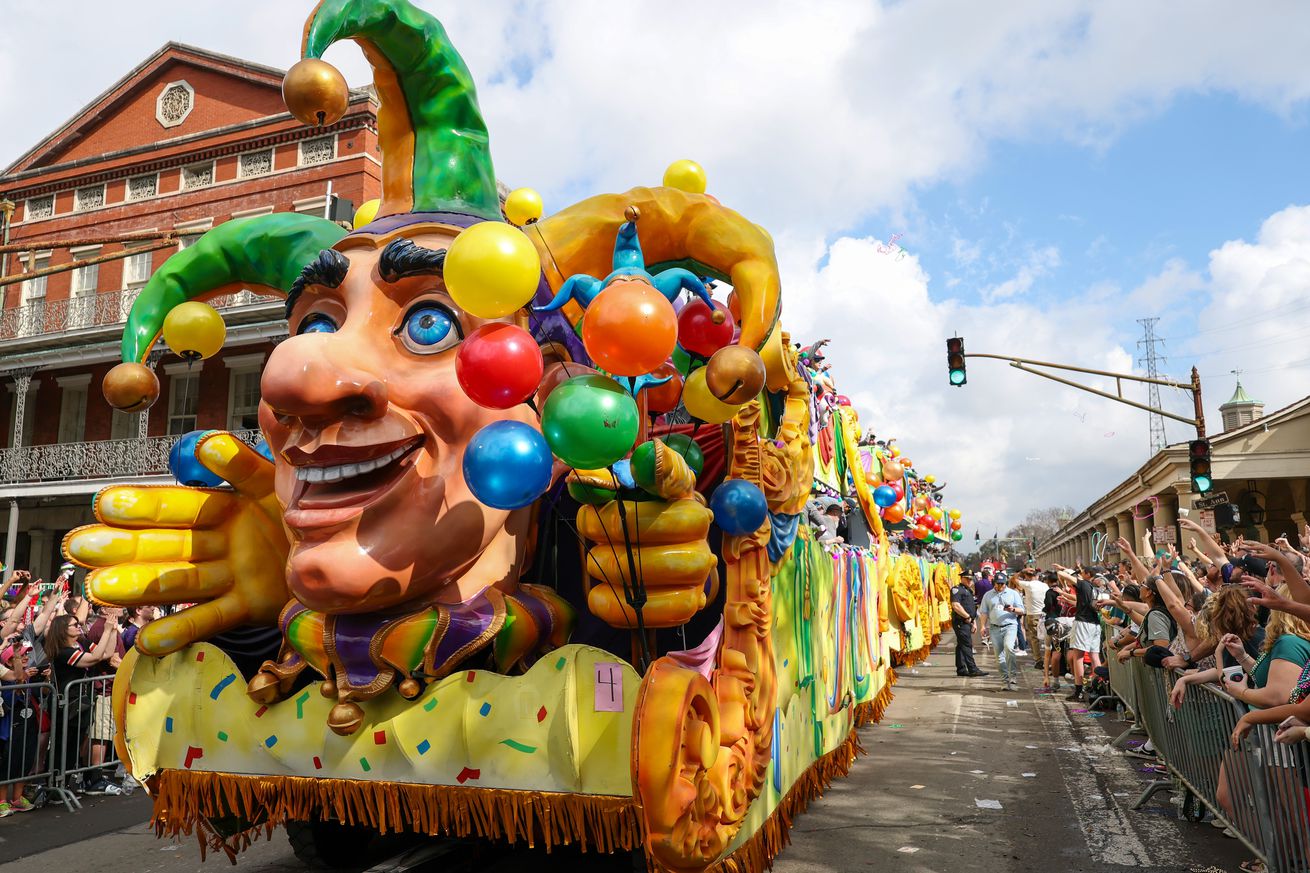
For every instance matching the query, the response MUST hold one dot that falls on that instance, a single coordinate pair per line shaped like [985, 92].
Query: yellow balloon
[700, 402]
[492, 270]
[930, 479]
[955, 515]
[522, 206]
[934, 512]
[367, 211]
[686, 176]
[194, 330]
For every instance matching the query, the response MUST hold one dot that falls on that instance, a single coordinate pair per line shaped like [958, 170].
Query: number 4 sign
[609, 687]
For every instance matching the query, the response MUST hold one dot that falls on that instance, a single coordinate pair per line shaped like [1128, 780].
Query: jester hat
[436, 169]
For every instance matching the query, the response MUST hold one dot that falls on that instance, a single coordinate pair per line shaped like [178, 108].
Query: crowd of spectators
[1235, 617]
[58, 656]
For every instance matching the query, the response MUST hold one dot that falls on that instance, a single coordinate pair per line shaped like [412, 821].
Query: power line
[1151, 359]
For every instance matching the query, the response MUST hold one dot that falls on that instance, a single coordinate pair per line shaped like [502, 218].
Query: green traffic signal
[1201, 484]
[955, 361]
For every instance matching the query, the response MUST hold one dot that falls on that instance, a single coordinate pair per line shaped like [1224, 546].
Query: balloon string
[588, 562]
[635, 592]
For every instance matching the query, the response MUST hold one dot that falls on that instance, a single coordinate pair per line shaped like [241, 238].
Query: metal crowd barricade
[1261, 790]
[85, 735]
[27, 755]
[1123, 687]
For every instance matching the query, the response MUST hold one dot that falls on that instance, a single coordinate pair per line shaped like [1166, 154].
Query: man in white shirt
[1001, 608]
[1034, 601]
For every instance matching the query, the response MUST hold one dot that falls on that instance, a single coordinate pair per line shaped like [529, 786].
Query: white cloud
[888, 353]
[809, 118]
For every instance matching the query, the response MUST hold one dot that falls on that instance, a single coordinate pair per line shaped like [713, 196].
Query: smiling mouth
[336, 483]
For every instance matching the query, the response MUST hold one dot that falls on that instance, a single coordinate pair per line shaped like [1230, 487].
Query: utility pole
[1151, 360]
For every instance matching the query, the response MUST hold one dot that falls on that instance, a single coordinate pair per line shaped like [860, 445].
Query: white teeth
[346, 471]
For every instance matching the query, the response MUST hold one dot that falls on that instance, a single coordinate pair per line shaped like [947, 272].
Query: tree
[1042, 523]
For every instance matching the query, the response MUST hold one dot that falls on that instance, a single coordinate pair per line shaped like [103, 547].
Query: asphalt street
[960, 775]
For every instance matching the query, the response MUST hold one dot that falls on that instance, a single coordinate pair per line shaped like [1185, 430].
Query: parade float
[526, 553]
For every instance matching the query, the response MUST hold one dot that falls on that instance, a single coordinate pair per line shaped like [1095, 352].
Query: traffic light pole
[1194, 388]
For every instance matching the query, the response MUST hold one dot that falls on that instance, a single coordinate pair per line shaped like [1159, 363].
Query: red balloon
[664, 398]
[499, 365]
[697, 332]
[898, 488]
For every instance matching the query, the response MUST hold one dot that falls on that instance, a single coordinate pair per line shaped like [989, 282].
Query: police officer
[964, 612]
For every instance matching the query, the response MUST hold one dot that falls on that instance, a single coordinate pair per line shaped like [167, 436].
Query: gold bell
[315, 92]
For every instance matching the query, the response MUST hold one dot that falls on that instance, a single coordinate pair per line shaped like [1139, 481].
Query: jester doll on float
[452, 390]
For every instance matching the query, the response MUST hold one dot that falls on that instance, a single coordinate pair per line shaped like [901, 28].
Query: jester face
[368, 426]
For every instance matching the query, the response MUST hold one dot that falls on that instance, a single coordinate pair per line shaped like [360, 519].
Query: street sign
[1164, 534]
[1205, 518]
[1212, 501]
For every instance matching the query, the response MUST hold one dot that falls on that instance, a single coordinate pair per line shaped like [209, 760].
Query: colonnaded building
[183, 142]
[1261, 461]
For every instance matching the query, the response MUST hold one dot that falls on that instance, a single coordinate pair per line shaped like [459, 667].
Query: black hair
[403, 258]
[328, 269]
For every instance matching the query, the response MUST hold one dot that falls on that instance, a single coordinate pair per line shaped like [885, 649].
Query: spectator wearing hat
[1002, 608]
[964, 612]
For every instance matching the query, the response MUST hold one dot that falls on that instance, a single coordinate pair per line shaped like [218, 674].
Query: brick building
[185, 141]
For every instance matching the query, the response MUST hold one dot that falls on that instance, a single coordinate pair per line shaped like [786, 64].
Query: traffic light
[955, 360]
[1198, 453]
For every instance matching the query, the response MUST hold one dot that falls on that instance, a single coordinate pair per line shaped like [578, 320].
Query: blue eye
[429, 328]
[317, 322]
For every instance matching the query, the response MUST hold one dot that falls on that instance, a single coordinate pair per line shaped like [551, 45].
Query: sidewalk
[963, 775]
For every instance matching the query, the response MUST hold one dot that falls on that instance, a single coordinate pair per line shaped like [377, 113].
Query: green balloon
[643, 458]
[590, 495]
[957, 536]
[684, 445]
[589, 422]
[681, 360]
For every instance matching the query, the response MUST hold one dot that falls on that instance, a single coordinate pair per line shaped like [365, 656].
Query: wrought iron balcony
[107, 460]
[41, 317]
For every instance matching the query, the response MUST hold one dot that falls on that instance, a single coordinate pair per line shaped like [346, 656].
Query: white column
[11, 537]
[39, 557]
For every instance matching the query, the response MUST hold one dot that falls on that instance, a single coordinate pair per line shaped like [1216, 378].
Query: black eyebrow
[403, 258]
[328, 269]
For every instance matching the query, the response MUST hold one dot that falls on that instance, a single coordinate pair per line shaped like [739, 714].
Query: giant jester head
[360, 404]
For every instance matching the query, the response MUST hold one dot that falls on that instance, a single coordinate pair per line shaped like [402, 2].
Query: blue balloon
[186, 467]
[884, 496]
[263, 448]
[739, 507]
[507, 465]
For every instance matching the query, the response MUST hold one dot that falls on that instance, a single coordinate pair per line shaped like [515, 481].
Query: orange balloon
[734, 306]
[906, 463]
[630, 328]
[894, 514]
[664, 398]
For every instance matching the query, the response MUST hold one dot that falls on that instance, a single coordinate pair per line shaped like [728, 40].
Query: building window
[143, 187]
[244, 393]
[85, 279]
[174, 103]
[40, 207]
[123, 425]
[183, 401]
[255, 164]
[90, 197]
[34, 289]
[72, 413]
[318, 150]
[197, 176]
[137, 269]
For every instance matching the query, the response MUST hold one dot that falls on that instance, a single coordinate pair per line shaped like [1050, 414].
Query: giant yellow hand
[224, 550]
